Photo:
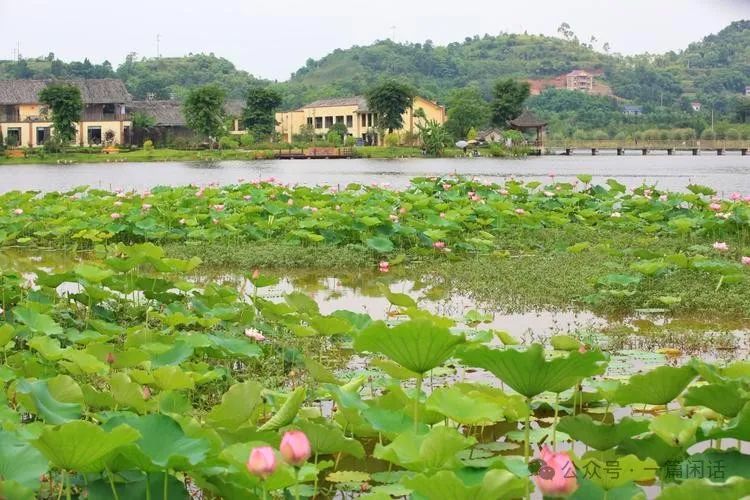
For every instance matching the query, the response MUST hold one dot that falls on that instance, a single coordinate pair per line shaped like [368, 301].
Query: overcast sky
[271, 39]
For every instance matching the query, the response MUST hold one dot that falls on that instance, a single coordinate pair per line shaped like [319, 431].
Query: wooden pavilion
[527, 121]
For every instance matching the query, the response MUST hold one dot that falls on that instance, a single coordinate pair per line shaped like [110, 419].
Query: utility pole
[393, 34]
[158, 39]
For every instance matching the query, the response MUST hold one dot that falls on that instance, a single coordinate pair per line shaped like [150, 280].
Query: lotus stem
[114, 490]
[166, 483]
[527, 434]
[554, 424]
[416, 403]
[66, 478]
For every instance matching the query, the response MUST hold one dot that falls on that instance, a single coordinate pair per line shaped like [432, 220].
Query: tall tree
[259, 112]
[389, 100]
[66, 104]
[204, 110]
[467, 109]
[508, 98]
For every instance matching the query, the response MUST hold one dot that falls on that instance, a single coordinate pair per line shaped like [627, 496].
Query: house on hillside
[696, 106]
[24, 121]
[747, 90]
[490, 135]
[169, 120]
[353, 112]
[579, 80]
[632, 110]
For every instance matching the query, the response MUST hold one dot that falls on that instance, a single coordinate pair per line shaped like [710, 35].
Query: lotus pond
[457, 339]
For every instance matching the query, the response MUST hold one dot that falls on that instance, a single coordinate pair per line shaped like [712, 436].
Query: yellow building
[353, 112]
[24, 121]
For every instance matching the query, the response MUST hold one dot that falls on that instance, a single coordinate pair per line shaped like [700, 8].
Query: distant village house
[579, 80]
[353, 112]
[632, 110]
[24, 121]
[696, 105]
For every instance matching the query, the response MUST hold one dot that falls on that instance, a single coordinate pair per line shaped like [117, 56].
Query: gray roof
[169, 113]
[358, 101]
[101, 91]
[164, 113]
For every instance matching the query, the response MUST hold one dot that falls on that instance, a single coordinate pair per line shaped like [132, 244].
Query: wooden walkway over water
[620, 148]
[313, 153]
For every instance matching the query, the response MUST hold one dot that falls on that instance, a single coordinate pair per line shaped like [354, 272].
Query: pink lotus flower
[247, 197]
[745, 262]
[663, 198]
[214, 221]
[254, 334]
[384, 266]
[551, 174]
[446, 187]
[261, 462]
[471, 194]
[402, 210]
[393, 217]
[295, 447]
[146, 392]
[647, 193]
[715, 207]
[115, 215]
[18, 211]
[442, 215]
[182, 221]
[439, 245]
[504, 192]
[549, 194]
[338, 207]
[557, 477]
[218, 208]
[746, 198]
[735, 197]
[146, 206]
[476, 198]
[314, 209]
[520, 211]
[256, 274]
[290, 202]
[720, 246]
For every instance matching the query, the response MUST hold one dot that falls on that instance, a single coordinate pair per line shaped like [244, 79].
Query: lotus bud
[262, 462]
[295, 447]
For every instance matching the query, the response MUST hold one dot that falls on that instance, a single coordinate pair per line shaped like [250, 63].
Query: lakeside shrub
[228, 142]
[148, 145]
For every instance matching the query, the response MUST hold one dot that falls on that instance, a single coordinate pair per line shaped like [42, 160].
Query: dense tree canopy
[389, 100]
[66, 105]
[508, 97]
[204, 110]
[259, 112]
[467, 109]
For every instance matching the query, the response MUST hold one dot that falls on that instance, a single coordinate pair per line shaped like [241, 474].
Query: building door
[14, 137]
[42, 134]
[94, 135]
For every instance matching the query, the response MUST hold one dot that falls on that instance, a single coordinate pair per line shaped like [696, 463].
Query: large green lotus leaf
[320, 373]
[675, 430]
[651, 446]
[92, 273]
[600, 436]
[81, 446]
[390, 422]
[380, 244]
[704, 489]
[529, 373]
[84, 362]
[738, 427]
[424, 452]
[287, 412]
[20, 462]
[48, 347]
[417, 345]
[238, 406]
[37, 397]
[37, 322]
[162, 445]
[714, 464]
[136, 489]
[598, 466]
[172, 378]
[235, 347]
[302, 303]
[393, 369]
[13, 490]
[725, 397]
[327, 439]
[446, 485]
[7, 332]
[589, 490]
[464, 404]
[657, 387]
[127, 394]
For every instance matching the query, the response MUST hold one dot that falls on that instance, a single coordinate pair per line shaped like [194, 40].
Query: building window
[309, 121]
[339, 119]
[318, 122]
[108, 111]
[364, 120]
[13, 138]
[94, 135]
[349, 121]
[329, 121]
[42, 134]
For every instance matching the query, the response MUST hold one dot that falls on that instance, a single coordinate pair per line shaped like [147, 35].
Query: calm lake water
[724, 173]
